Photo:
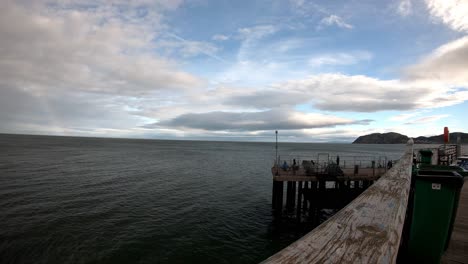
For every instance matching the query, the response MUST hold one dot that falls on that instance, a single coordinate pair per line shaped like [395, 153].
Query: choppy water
[88, 200]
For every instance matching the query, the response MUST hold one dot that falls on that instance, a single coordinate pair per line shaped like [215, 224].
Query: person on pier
[295, 167]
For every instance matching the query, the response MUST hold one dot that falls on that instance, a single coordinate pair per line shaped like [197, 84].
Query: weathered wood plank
[368, 230]
[457, 251]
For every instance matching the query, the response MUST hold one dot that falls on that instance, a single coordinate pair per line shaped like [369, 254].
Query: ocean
[97, 200]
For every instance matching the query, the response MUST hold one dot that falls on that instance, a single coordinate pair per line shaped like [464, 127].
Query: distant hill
[385, 138]
[396, 138]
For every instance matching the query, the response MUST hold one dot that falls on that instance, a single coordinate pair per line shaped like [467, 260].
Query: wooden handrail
[368, 230]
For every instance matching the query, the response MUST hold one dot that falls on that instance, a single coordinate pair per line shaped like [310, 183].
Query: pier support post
[365, 184]
[299, 200]
[288, 195]
[305, 190]
[273, 195]
[312, 202]
[278, 196]
[321, 191]
[291, 195]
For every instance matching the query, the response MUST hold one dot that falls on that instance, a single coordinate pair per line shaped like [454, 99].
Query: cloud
[283, 119]
[72, 68]
[338, 92]
[334, 20]
[426, 119]
[356, 93]
[256, 32]
[340, 58]
[265, 99]
[297, 3]
[61, 112]
[405, 116]
[188, 48]
[257, 53]
[104, 49]
[448, 64]
[220, 37]
[454, 13]
[405, 8]
[110, 67]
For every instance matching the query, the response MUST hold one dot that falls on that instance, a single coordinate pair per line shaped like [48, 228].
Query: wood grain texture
[457, 251]
[368, 230]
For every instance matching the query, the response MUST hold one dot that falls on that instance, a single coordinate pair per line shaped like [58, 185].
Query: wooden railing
[368, 230]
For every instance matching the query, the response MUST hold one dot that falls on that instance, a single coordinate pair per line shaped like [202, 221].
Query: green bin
[458, 169]
[435, 205]
[426, 156]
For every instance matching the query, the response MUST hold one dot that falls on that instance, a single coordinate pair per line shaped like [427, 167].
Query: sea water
[96, 200]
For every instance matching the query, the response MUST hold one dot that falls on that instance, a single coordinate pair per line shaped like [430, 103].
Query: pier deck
[301, 175]
[457, 251]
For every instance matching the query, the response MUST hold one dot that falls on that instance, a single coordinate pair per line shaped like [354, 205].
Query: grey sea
[95, 200]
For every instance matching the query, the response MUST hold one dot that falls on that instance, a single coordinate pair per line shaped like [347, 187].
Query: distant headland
[396, 138]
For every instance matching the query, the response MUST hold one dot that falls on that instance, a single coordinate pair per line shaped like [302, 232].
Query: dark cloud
[253, 121]
[335, 92]
[26, 112]
[356, 105]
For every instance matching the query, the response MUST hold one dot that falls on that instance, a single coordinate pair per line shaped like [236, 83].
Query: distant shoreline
[396, 138]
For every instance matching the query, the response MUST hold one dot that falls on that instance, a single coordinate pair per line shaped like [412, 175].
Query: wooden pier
[374, 227]
[367, 230]
[312, 188]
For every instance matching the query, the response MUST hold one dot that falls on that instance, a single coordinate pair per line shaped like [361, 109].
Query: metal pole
[276, 146]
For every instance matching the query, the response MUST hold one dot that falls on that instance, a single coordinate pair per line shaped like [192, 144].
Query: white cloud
[454, 13]
[178, 46]
[405, 116]
[356, 93]
[447, 65]
[105, 70]
[340, 58]
[405, 8]
[220, 37]
[257, 53]
[257, 32]
[334, 20]
[76, 69]
[51, 48]
[297, 3]
[426, 119]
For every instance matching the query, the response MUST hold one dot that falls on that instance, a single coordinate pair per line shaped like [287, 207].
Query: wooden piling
[289, 196]
[293, 194]
[299, 200]
[305, 190]
[278, 196]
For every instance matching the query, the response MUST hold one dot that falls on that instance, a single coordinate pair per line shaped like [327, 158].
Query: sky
[316, 71]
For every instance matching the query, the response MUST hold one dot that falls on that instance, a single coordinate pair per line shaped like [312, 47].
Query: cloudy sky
[233, 70]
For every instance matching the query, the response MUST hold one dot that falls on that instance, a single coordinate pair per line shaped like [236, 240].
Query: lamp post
[276, 146]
